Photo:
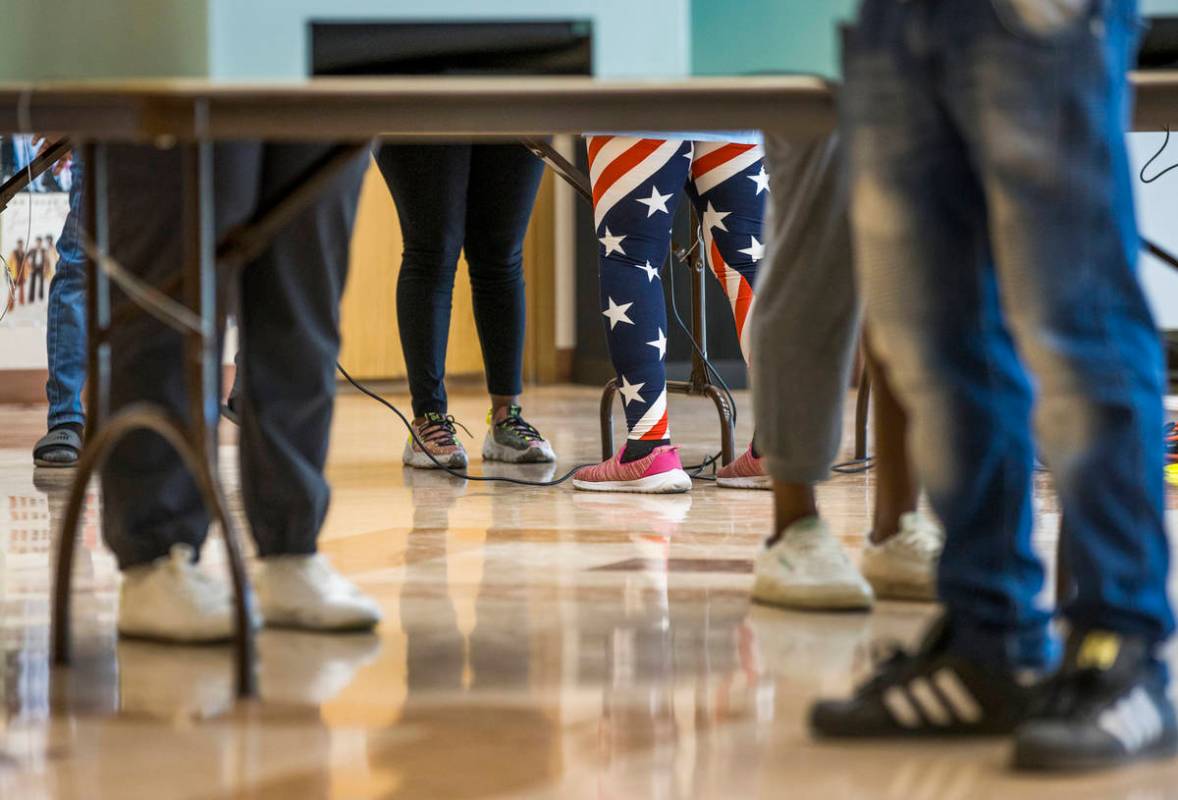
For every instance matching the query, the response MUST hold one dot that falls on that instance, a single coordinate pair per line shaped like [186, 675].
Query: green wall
[42, 39]
[730, 37]
[736, 36]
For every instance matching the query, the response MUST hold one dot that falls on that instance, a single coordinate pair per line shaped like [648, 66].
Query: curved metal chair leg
[607, 419]
[862, 412]
[727, 426]
[145, 416]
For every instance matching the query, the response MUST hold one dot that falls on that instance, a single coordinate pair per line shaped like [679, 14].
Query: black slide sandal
[58, 449]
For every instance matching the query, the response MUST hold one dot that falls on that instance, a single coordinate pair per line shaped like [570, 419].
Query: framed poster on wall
[29, 229]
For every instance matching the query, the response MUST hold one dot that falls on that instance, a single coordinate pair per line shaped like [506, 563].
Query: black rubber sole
[824, 727]
[924, 734]
[44, 464]
[1028, 759]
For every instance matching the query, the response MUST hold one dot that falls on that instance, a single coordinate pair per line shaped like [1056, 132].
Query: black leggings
[450, 198]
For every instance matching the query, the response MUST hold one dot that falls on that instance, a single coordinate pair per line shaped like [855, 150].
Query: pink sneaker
[660, 472]
[746, 472]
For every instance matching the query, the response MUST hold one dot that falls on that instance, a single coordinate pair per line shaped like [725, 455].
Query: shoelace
[521, 427]
[440, 430]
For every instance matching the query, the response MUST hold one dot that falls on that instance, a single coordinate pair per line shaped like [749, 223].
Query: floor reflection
[537, 643]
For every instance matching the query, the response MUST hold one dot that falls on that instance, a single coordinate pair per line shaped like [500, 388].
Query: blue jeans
[65, 334]
[994, 225]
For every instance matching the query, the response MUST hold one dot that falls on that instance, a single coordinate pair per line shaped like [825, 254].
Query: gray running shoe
[437, 433]
[515, 440]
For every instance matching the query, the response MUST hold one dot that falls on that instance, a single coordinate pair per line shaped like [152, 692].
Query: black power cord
[682, 257]
[1155, 157]
[852, 467]
[855, 466]
[692, 470]
[456, 473]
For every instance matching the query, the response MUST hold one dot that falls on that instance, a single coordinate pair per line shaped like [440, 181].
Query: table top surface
[344, 88]
[341, 108]
[357, 108]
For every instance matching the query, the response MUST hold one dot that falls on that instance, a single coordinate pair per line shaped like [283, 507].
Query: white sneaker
[905, 566]
[807, 568]
[171, 600]
[306, 592]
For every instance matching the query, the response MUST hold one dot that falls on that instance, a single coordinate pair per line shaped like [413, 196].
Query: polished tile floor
[537, 643]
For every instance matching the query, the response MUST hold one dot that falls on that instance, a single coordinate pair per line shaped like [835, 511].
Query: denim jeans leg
[932, 304]
[65, 334]
[1045, 116]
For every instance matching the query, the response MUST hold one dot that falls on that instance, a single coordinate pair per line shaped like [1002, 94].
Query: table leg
[94, 216]
[202, 368]
[607, 419]
[194, 441]
[727, 426]
[862, 410]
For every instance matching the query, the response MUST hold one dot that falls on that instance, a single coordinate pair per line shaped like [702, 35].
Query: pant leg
[504, 180]
[290, 341]
[918, 220]
[1045, 111]
[429, 186]
[804, 332]
[728, 188]
[150, 500]
[637, 186]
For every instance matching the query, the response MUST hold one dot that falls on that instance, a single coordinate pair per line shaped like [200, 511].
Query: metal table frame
[190, 115]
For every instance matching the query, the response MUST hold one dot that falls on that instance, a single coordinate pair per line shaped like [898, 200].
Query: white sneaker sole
[174, 636]
[755, 482]
[299, 620]
[674, 481]
[837, 597]
[493, 451]
[419, 460]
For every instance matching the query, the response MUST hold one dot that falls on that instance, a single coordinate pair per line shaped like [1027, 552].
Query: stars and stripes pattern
[637, 186]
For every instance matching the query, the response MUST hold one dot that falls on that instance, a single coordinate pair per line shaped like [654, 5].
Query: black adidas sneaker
[1105, 707]
[930, 693]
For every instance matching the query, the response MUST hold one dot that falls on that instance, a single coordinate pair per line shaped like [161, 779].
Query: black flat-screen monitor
[451, 48]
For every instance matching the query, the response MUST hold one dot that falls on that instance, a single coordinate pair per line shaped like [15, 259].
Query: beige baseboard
[21, 386]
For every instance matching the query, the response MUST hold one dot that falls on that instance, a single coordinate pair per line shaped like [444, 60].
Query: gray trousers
[807, 311]
[289, 320]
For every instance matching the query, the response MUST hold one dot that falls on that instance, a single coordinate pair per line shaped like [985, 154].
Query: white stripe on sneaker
[901, 708]
[1134, 721]
[960, 699]
[929, 703]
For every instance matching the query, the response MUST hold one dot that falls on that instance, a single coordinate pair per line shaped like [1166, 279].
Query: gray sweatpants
[807, 311]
